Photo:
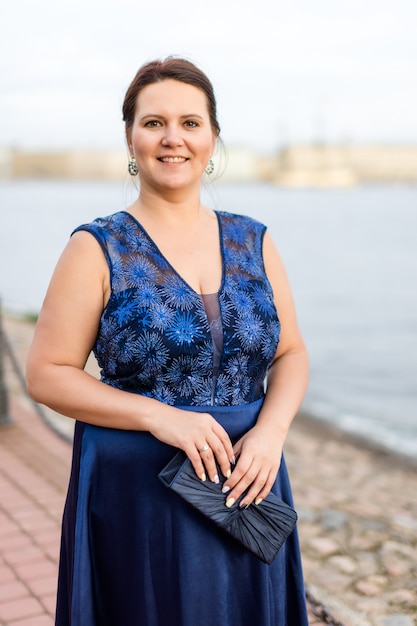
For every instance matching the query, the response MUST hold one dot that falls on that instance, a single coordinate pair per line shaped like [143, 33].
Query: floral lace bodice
[157, 336]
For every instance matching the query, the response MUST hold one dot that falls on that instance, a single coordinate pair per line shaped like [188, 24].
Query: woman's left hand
[258, 459]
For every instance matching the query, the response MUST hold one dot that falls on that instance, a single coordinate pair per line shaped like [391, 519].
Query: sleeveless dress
[132, 552]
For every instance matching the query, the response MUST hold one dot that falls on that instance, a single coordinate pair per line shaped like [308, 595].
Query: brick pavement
[33, 476]
[357, 508]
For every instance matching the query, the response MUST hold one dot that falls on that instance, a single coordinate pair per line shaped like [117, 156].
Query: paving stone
[21, 555]
[396, 620]
[368, 605]
[333, 519]
[6, 575]
[331, 580]
[405, 549]
[42, 620]
[405, 522]
[7, 526]
[363, 543]
[11, 590]
[21, 608]
[49, 602]
[35, 570]
[344, 564]
[372, 524]
[404, 597]
[369, 587]
[396, 566]
[43, 586]
[324, 546]
[15, 541]
[306, 515]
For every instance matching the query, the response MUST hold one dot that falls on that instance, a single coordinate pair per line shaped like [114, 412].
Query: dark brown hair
[174, 68]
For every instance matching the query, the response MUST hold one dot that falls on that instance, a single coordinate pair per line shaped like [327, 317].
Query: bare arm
[260, 449]
[64, 335]
[288, 375]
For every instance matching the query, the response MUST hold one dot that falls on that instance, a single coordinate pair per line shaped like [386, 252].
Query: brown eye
[153, 124]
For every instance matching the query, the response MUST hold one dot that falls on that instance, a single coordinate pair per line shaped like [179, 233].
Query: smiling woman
[171, 138]
[179, 304]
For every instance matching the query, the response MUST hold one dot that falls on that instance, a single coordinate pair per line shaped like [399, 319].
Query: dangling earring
[210, 167]
[132, 167]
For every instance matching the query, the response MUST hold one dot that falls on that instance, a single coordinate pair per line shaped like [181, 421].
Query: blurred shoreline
[318, 426]
[304, 165]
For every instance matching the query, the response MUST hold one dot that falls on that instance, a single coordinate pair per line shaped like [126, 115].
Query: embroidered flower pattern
[154, 336]
[184, 329]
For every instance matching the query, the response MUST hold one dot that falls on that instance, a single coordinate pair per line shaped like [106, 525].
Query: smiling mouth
[172, 159]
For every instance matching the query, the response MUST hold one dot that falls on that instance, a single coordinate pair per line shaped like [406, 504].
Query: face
[171, 137]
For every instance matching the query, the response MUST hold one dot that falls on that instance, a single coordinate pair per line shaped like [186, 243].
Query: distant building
[68, 164]
[327, 165]
[6, 170]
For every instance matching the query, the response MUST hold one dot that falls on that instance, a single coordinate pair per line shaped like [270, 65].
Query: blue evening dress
[133, 553]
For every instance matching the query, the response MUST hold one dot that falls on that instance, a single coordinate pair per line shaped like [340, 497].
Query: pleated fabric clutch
[262, 529]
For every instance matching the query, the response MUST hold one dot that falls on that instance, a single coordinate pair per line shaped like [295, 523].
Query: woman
[179, 304]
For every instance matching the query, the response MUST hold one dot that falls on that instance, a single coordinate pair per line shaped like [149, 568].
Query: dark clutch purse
[262, 528]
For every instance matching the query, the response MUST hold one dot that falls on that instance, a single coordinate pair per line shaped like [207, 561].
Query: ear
[213, 143]
[129, 140]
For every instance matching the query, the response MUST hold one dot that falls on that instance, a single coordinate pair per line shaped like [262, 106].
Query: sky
[284, 72]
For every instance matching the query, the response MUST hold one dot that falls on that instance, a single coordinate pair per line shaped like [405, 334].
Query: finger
[223, 451]
[203, 460]
[221, 448]
[259, 489]
[209, 462]
[237, 449]
[211, 445]
[240, 487]
[238, 472]
[197, 462]
[218, 459]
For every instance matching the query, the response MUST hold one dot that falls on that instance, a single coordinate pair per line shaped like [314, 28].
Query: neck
[172, 208]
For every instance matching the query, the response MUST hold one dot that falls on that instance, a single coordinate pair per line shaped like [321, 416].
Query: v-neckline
[156, 247]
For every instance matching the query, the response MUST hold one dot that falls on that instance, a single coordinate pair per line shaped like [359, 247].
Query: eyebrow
[162, 117]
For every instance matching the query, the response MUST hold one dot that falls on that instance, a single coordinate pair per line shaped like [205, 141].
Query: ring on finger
[204, 448]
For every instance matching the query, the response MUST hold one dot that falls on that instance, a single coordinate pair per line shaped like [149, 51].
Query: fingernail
[203, 477]
[243, 505]
[228, 473]
[258, 501]
[216, 479]
[230, 502]
[233, 461]
[225, 489]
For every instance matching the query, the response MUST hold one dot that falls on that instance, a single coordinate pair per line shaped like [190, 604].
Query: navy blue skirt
[134, 554]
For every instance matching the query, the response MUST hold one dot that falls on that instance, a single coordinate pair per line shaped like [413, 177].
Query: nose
[172, 136]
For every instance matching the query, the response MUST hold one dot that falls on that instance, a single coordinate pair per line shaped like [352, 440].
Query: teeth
[172, 159]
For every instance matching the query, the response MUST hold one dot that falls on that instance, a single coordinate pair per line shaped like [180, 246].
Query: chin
[178, 183]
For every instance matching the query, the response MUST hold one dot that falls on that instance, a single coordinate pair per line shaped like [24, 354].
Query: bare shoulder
[74, 302]
[83, 244]
[83, 261]
[274, 264]
[290, 334]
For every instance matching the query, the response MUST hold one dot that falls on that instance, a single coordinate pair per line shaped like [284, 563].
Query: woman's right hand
[201, 437]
